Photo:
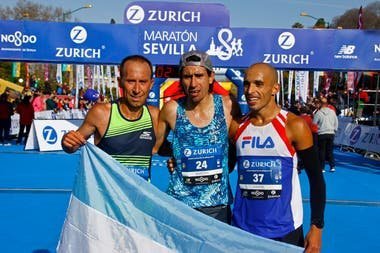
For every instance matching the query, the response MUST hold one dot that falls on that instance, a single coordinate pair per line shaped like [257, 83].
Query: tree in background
[349, 20]
[24, 9]
[297, 25]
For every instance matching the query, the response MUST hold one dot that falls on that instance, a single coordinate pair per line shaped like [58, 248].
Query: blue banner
[154, 94]
[84, 43]
[176, 13]
[237, 77]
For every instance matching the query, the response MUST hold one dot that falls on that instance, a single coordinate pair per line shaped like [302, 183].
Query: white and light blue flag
[114, 210]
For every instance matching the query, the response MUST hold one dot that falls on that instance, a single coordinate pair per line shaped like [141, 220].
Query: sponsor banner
[46, 135]
[359, 51]
[290, 85]
[358, 136]
[154, 94]
[236, 77]
[15, 124]
[77, 43]
[229, 47]
[301, 85]
[176, 13]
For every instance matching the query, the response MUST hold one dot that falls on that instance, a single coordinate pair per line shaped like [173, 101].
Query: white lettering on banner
[90, 53]
[286, 59]
[371, 138]
[231, 45]
[180, 36]
[377, 48]
[174, 16]
[161, 48]
[18, 39]
[346, 52]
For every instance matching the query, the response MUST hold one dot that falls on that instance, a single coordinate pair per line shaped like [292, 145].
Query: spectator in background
[362, 98]
[327, 122]
[59, 90]
[295, 107]
[33, 83]
[38, 102]
[26, 111]
[307, 115]
[47, 88]
[50, 103]
[6, 112]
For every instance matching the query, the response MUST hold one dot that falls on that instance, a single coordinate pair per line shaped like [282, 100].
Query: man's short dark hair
[138, 58]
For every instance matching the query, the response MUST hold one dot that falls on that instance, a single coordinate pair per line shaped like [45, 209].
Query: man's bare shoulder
[170, 106]
[295, 121]
[298, 132]
[99, 112]
[153, 109]
[100, 108]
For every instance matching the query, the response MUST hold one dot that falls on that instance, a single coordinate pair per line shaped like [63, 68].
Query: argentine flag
[114, 210]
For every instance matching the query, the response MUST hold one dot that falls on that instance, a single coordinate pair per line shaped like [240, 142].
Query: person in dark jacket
[26, 111]
[6, 112]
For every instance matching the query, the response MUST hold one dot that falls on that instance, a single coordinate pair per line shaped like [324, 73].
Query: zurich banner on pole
[86, 43]
[114, 210]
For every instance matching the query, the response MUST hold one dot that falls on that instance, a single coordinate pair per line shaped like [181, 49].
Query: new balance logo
[346, 52]
[347, 49]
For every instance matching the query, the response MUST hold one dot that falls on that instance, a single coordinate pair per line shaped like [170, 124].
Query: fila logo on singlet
[257, 142]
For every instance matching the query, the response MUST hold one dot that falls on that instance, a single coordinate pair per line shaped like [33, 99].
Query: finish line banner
[114, 210]
[86, 43]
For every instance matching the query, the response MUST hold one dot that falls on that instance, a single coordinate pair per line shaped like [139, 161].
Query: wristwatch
[318, 223]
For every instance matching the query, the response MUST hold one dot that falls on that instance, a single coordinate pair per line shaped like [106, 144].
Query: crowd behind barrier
[47, 115]
[350, 136]
[69, 114]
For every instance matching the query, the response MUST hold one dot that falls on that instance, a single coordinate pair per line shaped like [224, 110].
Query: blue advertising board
[86, 43]
[176, 13]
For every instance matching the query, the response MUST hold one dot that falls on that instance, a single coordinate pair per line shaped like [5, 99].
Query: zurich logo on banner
[172, 13]
[78, 34]
[355, 135]
[50, 135]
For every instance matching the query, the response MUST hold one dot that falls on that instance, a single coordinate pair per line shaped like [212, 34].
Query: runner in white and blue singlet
[267, 179]
[268, 141]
